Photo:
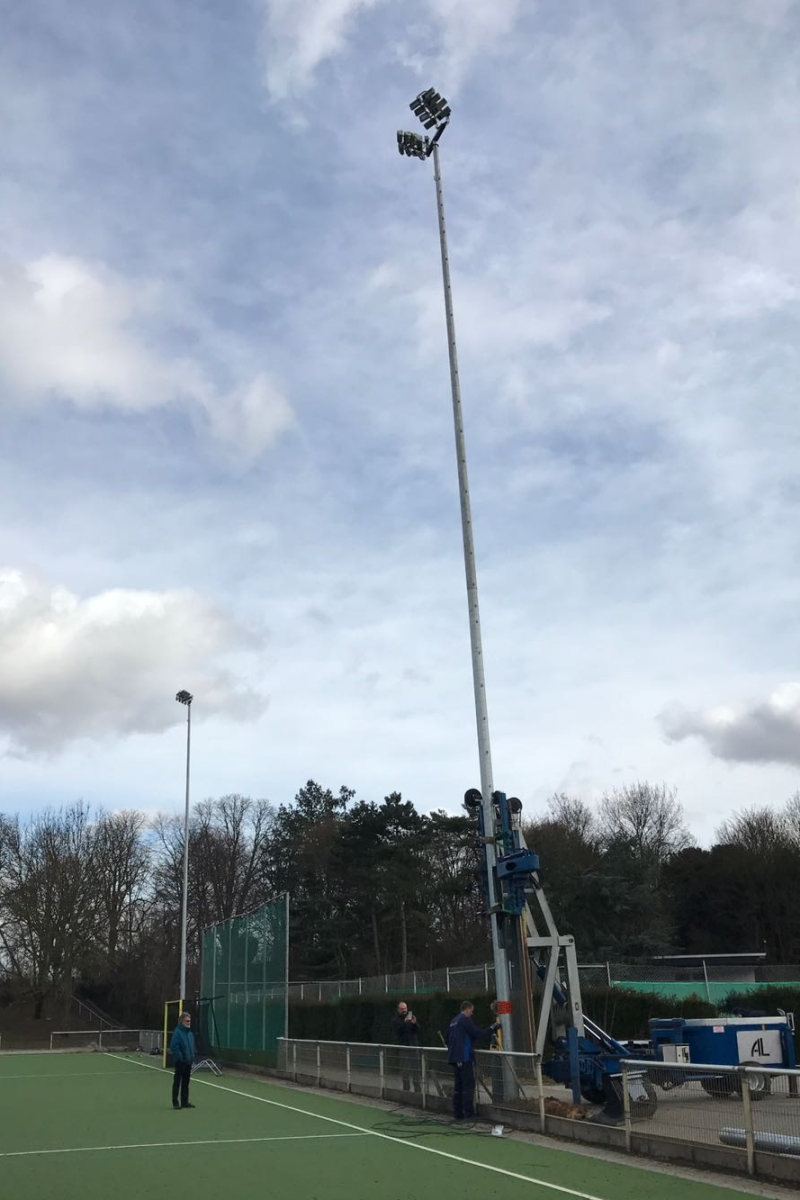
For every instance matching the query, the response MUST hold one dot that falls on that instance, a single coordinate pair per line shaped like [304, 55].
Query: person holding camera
[462, 1033]
[407, 1032]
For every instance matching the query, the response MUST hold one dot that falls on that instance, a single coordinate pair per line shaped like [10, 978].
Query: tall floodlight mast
[434, 113]
[184, 697]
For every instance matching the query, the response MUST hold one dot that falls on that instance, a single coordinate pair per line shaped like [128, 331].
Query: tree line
[91, 901]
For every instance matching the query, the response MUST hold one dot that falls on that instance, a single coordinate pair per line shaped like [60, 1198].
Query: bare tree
[647, 818]
[121, 868]
[793, 819]
[48, 900]
[229, 837]
[574, 816]
[227, 842]
[761, 831]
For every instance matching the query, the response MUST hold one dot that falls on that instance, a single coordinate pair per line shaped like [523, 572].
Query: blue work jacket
[462, 1033]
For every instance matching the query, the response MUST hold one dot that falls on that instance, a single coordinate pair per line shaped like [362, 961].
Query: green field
[101, 1127]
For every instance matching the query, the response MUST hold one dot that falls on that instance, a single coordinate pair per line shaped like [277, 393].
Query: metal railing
[89, 1012]
[418, 1076]
[751, 1110]
[743, 1119]
[146, 1040]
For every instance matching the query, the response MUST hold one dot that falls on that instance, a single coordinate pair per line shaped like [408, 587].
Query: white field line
[61, 1075]
[469, 1162]
[295, 1137]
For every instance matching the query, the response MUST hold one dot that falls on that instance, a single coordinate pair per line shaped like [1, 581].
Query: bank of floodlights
[434, 113]
[413, 144]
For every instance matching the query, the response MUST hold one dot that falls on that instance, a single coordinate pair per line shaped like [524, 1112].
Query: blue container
[724, 1041]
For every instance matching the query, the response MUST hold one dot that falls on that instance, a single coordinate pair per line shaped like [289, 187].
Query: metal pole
[478, 679]
[286, 1000]
[185, 897]
[626, 1103]
[747, 1113]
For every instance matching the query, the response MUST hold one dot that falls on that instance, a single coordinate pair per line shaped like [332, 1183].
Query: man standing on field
[181, 1047]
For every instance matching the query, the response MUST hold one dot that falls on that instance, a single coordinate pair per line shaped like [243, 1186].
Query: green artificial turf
[101, 1127]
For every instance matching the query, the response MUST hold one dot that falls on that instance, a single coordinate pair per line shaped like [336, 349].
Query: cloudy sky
[226, 459]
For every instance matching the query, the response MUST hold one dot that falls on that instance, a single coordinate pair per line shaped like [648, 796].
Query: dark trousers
[464, 1089]
[183, 1073]
[410, 1068]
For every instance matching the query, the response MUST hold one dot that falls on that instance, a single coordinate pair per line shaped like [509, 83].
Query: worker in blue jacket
[462, 1034]
[181, 1047]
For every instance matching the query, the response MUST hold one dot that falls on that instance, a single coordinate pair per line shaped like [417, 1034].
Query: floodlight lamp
[473, 799]
[184, 697]
[413, 144]
[431, 109]
[514, 804]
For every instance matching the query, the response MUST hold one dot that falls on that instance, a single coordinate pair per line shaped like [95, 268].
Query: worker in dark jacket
[462, 1034]
[181, 1047]
[407, 1032]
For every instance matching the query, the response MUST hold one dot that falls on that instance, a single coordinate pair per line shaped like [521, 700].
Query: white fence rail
[744, 1119]
[419, 1076]
[147, 1040]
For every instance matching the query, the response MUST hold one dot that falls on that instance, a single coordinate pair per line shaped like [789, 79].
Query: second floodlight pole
[502, 982]
[185, 698]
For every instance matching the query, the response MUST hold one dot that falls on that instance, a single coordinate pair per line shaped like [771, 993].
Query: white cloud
[299, 35]
[625, 257]
[766, 732]
[251, 417]
[468, 29]
[77, 332]
[109, 665]
[68, 329]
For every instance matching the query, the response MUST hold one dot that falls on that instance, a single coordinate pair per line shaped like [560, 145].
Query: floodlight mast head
[184, 697]
[434, 113]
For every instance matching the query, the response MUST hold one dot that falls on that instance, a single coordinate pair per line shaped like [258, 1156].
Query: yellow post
[167, 1005]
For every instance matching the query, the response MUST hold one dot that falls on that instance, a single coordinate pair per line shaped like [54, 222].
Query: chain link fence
[706, 979]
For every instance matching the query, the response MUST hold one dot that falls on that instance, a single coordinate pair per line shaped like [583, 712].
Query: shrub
[621, 1012]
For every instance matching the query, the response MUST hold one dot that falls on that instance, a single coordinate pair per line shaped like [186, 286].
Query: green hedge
[620, 1012]
[369, 1018]
[625, 1012]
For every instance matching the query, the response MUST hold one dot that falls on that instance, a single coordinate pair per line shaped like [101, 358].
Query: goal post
[169, 1007]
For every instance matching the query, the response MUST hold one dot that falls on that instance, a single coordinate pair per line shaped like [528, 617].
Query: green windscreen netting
[244, 988]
